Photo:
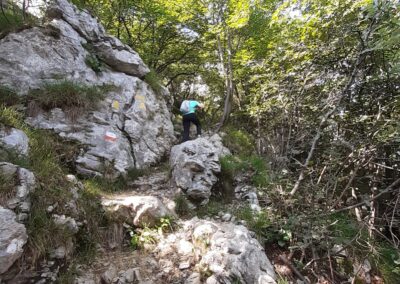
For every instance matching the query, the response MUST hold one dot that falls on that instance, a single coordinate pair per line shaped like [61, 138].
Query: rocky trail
[144, 240]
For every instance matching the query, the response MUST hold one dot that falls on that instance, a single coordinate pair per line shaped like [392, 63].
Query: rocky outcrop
[12, 239]
[195, 165]
[15, 140]
[225, 251]
[139, 211]
[130, 128]
[21, 182]
[197, 251]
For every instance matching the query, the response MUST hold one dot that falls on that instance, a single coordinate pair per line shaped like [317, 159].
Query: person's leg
[196, 121]
[186, 128]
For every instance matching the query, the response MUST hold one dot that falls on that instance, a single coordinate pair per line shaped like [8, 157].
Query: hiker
[188, 110]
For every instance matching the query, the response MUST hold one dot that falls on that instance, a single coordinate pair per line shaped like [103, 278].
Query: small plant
[182, 207]
[387, 261]
[212, 208]
[231, 165]
[7, 188]
[260, 223]
[94, 63]
[165, 225]
[101, 184]
[10, 117]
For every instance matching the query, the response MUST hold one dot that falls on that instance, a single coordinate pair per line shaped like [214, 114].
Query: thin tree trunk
[228, 80]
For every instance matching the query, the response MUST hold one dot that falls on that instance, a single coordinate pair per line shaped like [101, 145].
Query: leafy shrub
[260, 223]
[154, 82]
[181, 205]
[232, 165]
[12, 19]
[239, 142]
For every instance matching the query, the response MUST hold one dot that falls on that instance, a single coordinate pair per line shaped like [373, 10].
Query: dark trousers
[187, 119]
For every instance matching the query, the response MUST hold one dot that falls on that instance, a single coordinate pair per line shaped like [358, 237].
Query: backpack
[185, 106]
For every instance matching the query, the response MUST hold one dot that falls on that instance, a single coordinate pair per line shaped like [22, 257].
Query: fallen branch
[386, 190]
[294, 269]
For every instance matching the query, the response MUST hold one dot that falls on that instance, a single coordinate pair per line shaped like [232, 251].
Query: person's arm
[200, 105]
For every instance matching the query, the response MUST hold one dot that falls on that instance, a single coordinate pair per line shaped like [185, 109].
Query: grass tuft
[8, 97]
[73, 98]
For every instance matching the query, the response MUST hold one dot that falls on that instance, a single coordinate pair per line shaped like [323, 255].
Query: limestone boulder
[15, 140]
[195, 166]
[225, 250]
[12, 239]
[135, 210]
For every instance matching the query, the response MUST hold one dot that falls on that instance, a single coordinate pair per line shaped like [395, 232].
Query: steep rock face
[195, 165]
[134, 116]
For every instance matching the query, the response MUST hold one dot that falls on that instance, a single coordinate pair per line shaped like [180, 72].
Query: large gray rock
[12, 239]
[195, 165]
[14, 139]
[139, 211]
[135, 116]
[112, 51]
[225, 250]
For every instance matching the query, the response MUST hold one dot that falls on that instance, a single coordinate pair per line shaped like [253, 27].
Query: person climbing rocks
[188, 109]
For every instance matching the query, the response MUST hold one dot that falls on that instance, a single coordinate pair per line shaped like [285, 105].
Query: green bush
[181, 205]
[232, 165]
[239, 142]
[10, 20]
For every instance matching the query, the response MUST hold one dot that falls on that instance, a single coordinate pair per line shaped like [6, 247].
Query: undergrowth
[233, 165]
[49, 160]
[12, 19]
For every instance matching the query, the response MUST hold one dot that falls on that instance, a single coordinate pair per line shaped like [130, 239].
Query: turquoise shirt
[192, 106]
